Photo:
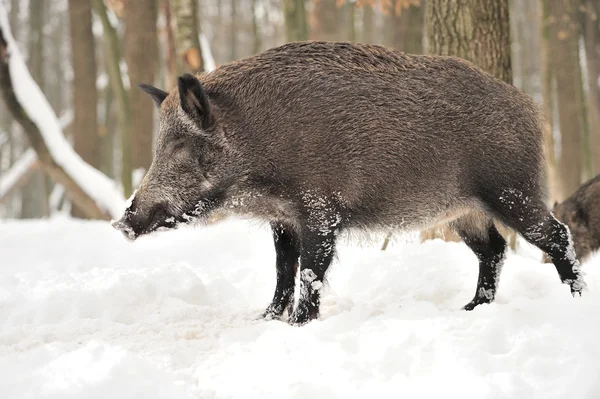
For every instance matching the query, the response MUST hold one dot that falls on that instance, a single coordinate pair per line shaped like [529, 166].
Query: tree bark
[476, 30]
[591, 34]
[566, 72]
[171, 52]
[187, 42]
[86, 140]
[552, 177]
[141, 54]
[296, 26]
[34, 201]
[113, 60]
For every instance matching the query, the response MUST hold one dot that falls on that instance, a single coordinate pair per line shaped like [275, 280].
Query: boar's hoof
[270, 314]
[577, 286]
[301, 317]
[476, 302]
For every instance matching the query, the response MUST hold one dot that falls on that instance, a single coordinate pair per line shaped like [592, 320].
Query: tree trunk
[113, 60]
[34, 202]
[86, 139]
[187, 42]
[296, 27]
[257, 40]
[478, 31]
[141, 54]
[405, 28]
[326, 18]
[368, 22]
[351, 23]
[233, 29]
[566, 72]
[552, 177]
[171, 67]
[591, 34]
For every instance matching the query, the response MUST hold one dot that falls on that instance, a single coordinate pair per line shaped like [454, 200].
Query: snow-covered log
[207, 55]
[94, 193]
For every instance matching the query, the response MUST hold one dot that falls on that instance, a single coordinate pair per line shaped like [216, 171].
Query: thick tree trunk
[113, 61]
[552, 178]
[141, 54]
[296, 26]
[566, 72]
[591, 33]
[34, 201]
[478, 31]
[86, 139]
[187, 42]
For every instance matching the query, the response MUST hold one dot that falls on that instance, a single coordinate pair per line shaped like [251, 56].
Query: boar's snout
[140, 220]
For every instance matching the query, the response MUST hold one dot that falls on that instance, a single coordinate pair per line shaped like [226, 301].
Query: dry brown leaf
[193, 58]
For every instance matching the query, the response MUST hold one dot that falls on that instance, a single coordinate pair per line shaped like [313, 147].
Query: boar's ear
[157, 94]
[193, 100]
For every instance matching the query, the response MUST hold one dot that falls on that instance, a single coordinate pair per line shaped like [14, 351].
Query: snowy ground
[85, 314]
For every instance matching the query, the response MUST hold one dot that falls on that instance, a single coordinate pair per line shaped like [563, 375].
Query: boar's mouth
[134, 224]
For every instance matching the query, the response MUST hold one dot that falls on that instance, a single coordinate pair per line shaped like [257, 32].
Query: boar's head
[570, 213]
[189, 173]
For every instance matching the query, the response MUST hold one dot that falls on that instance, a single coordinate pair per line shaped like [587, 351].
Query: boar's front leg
[287, 250]
[318, 248]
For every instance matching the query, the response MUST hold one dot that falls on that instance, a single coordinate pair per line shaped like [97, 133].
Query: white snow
[86, 314]
[98, 186]
[21, 167]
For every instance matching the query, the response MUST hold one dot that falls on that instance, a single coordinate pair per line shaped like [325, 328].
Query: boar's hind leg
[533, 220]
[287, 250]
[318, 247]
[480, 234]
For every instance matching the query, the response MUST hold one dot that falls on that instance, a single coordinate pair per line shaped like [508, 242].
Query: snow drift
[83, 313]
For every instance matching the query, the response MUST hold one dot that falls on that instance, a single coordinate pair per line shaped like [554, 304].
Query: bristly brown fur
[581, 212]
[319, 137]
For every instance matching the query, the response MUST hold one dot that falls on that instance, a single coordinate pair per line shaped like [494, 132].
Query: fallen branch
[18, 173]
[93, 192]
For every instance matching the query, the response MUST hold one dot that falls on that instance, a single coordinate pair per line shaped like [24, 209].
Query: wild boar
[321, 137]
[581, 213]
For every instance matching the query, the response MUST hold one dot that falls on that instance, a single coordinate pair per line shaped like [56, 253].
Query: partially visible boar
[581, 212]
[320, 137]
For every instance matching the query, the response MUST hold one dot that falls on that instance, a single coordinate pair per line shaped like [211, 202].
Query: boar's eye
[178, 147]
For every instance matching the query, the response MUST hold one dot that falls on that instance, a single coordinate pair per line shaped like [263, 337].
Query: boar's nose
[139, 220]
[124, 227]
